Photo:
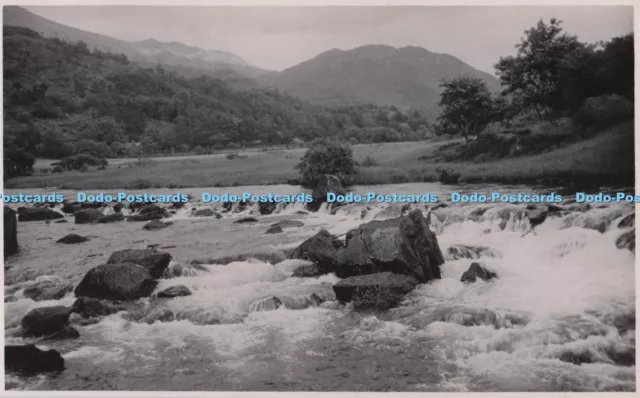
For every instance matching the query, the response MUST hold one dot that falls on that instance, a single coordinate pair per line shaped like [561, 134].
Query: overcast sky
[280, 37]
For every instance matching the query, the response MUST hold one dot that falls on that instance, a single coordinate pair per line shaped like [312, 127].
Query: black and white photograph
[209, 198]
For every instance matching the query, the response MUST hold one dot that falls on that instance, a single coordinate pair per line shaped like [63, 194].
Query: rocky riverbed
[360, 298]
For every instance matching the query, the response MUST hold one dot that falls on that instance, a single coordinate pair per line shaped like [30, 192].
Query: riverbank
[606, 159]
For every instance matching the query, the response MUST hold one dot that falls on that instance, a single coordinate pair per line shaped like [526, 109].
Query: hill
[382, 75]
[63, 98]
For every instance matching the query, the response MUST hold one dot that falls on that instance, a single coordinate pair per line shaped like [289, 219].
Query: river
[560, 295]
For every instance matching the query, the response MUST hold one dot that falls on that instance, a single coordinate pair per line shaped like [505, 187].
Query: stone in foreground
[119, 281]
[154, 261]
[374, 285]
[89, 307]
[88, 216]
[29, 359]
[276, 229]
[38, 214]
[45, 320]
[318, 249]
[71, 239]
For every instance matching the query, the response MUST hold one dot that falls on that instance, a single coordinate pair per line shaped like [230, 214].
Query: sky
[280, 37]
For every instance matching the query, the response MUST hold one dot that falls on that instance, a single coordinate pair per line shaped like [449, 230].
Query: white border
[312, 3]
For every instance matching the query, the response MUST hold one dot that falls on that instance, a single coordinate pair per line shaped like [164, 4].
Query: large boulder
[318, 249]
[308, 271]
[154, 261]
[45, 320]
[119, 282]
[604, 111]
[29, 359]
[327, 183]
[403, 245]
[379, 290]
[38, 214]
[477, 271]
[10, 232]
[88, 216]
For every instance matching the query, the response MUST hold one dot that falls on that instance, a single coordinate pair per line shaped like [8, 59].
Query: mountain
[406, 77]
[193, 61]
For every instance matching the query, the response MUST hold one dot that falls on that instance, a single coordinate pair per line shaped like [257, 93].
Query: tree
[326, 156]
[534, 74]
[466, 106]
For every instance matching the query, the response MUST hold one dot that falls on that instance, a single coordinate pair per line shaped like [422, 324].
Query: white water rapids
[549, 322]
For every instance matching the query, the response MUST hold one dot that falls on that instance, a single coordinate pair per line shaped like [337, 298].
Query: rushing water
[550, 322]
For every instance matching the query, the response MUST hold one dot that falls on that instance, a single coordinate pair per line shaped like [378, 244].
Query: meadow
[606, 159]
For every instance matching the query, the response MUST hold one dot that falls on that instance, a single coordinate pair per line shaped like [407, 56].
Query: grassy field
[604, 160]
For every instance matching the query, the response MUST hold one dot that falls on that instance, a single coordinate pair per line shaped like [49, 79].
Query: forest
[64, 99]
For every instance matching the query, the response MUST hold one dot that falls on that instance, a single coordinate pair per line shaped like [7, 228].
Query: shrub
[447, 176]
[17, 162]
[81, 162]
[326, 156]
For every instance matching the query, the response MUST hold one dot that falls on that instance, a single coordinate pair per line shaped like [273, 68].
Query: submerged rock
[28, 359]
[154, 261]
[72, 238]
[274, 230]
[88, 216]
[318, 249]
[628, 221]
[175, 291]
[47, 290]
[627, 240]
[156, 225]
[89, 307]
[380, 291]
[45, 320]
[115, 217]
[455, 252]
[477, 271]
[266, 304]
[67, 332]
[288, 224]
[10, 232]
[71, 208]
[308, 271]
[119, 281]
[266, 207]
[403, 245]
[206, 212]
[245, 220]
[38, 214]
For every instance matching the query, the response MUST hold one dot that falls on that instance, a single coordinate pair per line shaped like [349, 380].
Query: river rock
[381, 290]
[319, 250]
[156, 262]
[38, 214]
[114, 217]
[29, 359]
[326, 184]
[45, 320]
[276, 229]
[477, 271]
[266, 304]
[206, 212]
[455, 252]
[47, 289]
[88, 216]
[71, 208]
[118, 207]
[10, 232]
[403, 245]
[266, 207]
[627, 240]
[628, 221]
[156, 225]
[245, 220]
[175, 291]
[119, 282]
[61, 222]
[72, 238]
[308, 271]
[288, 224]
[67, 332]
[537, 216]
[89, 307]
